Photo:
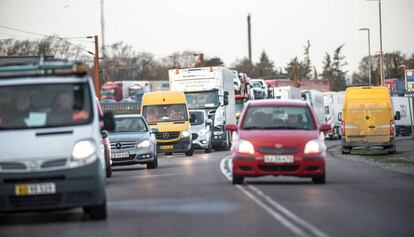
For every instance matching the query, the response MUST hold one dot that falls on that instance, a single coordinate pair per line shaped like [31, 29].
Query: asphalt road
[192, 197]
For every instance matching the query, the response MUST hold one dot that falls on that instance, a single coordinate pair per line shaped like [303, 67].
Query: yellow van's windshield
[165, 113]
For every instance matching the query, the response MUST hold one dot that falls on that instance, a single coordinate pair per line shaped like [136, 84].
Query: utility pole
[369, 54]
[103, 40]
[382, 53]
[96, 69]
[249, 38]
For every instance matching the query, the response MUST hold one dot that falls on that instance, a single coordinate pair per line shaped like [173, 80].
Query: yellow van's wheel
[346, 151]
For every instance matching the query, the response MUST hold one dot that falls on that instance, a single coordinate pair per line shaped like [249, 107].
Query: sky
[219, 27]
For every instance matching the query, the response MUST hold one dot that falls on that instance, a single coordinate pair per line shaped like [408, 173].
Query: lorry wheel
[346, 151]
[190, 152]
[97, 212]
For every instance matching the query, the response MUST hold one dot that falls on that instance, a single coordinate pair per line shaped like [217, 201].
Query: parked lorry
[137, 89]
[210, 89]
[116, 90]
[333, 102]
[403, 104]
[112, 90]
[315, 99]
[287, 93]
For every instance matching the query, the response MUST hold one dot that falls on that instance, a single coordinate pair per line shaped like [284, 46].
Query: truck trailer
[210, 89]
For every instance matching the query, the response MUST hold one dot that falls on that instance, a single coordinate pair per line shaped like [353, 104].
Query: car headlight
[202, 132]
[185, 133]
[314, 146]
[83, 150]
[245, 146]
[143, 144]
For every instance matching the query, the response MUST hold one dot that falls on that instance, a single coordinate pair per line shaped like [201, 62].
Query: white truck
[333, 102]
[315, 99]
[403, 104]
[210, 89]
[259, 87]
[287, 93]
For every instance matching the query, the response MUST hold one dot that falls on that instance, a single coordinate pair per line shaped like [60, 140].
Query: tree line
[124, 63]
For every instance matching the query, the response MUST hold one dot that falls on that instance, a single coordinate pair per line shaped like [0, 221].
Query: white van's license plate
[119, 155]
[278, 159]
[35, 189]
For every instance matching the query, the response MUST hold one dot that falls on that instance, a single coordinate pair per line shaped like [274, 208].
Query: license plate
[278, 159]
[119, 155]
[35, 189]
[166, 147]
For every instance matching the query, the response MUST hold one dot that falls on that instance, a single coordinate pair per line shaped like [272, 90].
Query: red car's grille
[278, 167]
[273, 150]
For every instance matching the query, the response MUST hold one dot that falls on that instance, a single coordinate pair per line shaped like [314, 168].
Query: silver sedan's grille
[123, 145]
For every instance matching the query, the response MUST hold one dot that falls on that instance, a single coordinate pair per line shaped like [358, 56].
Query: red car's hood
[287, 138]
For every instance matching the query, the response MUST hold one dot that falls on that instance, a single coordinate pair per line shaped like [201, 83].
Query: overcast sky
[219, 27]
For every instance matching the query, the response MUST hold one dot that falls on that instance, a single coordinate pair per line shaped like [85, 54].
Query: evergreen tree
[339, 75]
[264, 68]
[306, 63]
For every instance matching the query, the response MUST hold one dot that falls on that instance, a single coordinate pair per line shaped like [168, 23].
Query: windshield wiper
[254, 127]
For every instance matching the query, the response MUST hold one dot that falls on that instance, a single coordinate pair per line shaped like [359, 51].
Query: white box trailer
[287, 93]
[333, 102]
[210, 89]
[315, 99]
[403, 125]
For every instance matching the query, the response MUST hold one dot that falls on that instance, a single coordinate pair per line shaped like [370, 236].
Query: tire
[153, 164]
[209, 148]
[97, 212]
[190, 152]
[319, 179]
[346, 151]
[108, 168]
[168, 153]
[392, 150]
[237, 179]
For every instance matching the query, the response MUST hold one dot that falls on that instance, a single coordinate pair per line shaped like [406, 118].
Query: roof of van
[367, 92]
[164, 97]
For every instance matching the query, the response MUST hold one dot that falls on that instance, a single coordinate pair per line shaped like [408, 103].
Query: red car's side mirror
[325, 127]
[231, 127]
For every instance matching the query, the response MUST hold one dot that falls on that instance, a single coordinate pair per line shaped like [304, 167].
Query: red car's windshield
[278, 117]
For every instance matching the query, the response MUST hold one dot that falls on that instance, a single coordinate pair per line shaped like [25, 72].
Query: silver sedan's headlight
[143, 144]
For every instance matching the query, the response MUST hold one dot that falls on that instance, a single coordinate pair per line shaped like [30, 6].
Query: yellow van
[367, 119]
[167, 111]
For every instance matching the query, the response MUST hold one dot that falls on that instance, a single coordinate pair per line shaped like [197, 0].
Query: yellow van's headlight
[185, 134]
[83, 150]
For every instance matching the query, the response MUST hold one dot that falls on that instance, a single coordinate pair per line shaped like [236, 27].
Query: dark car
[278, 138]
[133, 142]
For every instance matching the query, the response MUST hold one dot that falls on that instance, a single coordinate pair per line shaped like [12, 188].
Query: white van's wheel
[97, 212]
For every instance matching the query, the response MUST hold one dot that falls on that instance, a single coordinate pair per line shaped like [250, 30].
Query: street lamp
[382, 54]
[369, 53]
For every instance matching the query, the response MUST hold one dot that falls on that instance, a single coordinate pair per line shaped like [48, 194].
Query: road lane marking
[295, 224]
[284, 221]
[291, 215]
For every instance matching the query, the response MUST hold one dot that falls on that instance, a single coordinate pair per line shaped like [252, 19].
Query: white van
[51, 155]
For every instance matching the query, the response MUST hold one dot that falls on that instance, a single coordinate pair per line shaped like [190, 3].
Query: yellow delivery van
[368, 119]
[167, 111]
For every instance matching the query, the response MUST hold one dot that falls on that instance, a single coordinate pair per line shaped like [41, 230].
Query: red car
[276, 137]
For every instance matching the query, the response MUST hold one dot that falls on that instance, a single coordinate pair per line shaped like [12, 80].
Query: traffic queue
[71, 142]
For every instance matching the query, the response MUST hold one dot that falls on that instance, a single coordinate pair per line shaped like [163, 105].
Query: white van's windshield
[44, 105]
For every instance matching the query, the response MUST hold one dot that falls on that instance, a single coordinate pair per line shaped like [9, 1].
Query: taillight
[392, 127]
[343, 128]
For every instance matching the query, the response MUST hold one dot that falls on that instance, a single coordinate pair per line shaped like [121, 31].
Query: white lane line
[223, 163]
[315, 231]
[284, 221]
[147, 176]
[275, 209]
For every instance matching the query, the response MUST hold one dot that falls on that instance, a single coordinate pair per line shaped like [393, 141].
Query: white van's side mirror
[397, 115]
[340, 116]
